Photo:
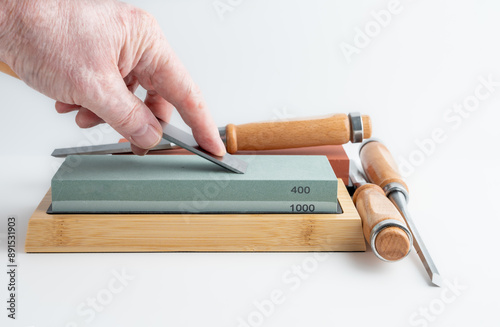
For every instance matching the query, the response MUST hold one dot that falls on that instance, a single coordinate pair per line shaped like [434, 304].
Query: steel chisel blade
[114, 148]
[187, 141]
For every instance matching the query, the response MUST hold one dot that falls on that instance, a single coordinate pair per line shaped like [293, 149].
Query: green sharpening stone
[189, 184]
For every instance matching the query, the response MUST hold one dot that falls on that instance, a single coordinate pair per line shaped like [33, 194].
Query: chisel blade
[187, 141]
[399, 201]
[357, 177]
[114, 148]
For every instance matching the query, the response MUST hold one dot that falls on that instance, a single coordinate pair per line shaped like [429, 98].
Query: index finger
[172, 81]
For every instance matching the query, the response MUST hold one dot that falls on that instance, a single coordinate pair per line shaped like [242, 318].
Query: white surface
[273, 60]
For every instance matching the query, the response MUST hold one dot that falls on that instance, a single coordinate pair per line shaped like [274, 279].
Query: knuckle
[192, 98]
[126, 119]
[142, 17]
[88, 86]
[148, 17]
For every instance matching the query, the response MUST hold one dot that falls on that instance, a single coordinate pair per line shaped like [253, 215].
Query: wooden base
[200, 233]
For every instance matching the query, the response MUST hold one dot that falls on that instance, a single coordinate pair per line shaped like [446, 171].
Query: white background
[271, 60]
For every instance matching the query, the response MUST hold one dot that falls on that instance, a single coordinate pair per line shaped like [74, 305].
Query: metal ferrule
[381, 226]
[356, 123]
[365, 142]
[396, 187]
[222, 133]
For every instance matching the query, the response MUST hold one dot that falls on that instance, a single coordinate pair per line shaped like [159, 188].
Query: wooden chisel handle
[391, 243]
[7, 70]
[379, 165]
[334, 130]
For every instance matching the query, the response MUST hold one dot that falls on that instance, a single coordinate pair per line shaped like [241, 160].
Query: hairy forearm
[7, 13]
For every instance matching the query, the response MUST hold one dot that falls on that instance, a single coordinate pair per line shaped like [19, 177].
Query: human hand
[91, 55]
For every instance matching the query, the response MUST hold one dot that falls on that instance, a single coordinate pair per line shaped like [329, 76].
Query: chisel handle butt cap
[392, 244]
[333, 130]
[383, 226]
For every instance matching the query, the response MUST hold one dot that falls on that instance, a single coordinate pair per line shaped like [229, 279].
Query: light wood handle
[4, 68]
[392, 243]
[379, 165]
[334, 130]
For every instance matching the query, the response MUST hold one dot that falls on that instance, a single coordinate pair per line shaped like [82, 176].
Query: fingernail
[219, 148]
[147, 137]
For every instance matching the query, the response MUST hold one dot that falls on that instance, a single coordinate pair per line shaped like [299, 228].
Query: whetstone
[335, 154]
[201, 232]
[189, 184]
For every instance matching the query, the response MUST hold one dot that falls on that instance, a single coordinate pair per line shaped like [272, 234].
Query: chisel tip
[436, 280]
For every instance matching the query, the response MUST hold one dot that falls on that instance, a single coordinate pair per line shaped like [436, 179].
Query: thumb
[126, 113]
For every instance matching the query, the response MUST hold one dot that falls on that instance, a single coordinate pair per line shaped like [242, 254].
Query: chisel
[383, 227]
[334, 130]
[381, 169]
[7, 70]
[113, 148]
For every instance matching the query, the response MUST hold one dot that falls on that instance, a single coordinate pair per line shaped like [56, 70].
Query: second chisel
[383, 227]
